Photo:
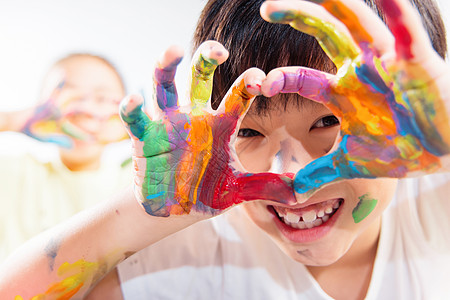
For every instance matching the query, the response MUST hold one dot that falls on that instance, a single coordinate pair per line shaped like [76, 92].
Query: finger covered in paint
[243, 91]
[208, 56]
[165, 90]
[312, 19]
[134, 118]
[411, 40]
[363, 24]
[309, 83]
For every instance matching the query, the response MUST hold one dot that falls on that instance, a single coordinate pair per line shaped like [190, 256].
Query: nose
[291, 157]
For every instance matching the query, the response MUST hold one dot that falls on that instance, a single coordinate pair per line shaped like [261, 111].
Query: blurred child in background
[79, 114]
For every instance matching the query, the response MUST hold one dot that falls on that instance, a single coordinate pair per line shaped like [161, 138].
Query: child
[337, 238]
[80, 116]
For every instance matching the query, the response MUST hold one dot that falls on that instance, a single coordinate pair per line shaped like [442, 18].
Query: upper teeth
[310, 218]
[292, 218]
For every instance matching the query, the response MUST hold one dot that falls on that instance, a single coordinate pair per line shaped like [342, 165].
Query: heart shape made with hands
[389, 91]
[182, 155]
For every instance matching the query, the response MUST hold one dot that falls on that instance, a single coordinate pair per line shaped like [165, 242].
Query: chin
[317, 254]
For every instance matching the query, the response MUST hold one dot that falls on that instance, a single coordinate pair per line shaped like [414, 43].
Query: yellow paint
[75, 275]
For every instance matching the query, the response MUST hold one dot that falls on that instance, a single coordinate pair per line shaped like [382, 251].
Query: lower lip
[306, 235]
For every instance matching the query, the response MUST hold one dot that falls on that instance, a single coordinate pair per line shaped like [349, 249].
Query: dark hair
[253, 42]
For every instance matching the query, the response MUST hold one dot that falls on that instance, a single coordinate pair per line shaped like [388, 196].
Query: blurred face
[322, 227]
[89, 101]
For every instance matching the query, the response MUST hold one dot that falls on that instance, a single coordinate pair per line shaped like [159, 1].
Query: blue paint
[369, 76]
[279, 16]
[327, 169]
[136, 119]
[155, 195]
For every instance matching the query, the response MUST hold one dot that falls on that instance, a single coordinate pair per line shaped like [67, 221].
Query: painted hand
[183, 155]
[391, 91]
[50, 122]
[43, 124]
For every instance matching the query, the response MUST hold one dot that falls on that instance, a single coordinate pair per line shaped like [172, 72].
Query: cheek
[255, 154]
[321, 141]
[258, 213]
[371, 198]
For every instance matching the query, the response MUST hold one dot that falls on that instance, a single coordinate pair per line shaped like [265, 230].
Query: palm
[389, 100]
[182, 155]
[186, 159]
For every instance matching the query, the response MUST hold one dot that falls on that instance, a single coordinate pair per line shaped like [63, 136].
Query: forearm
[85, 248]
[15, 120]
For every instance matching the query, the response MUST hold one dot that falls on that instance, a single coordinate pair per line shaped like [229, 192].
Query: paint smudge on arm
[75, 276]
[51, 251]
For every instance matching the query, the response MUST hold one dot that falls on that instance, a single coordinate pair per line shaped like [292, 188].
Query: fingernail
[254, 87]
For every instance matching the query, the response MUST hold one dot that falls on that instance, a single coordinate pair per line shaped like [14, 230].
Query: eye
[247, 132]
[327, 121]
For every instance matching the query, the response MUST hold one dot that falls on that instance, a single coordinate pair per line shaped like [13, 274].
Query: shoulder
[107, 288]
[422, 209]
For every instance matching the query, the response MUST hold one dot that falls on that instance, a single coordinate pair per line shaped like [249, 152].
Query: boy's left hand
[391, 91]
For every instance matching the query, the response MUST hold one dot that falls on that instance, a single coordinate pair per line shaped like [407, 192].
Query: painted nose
[290, 158]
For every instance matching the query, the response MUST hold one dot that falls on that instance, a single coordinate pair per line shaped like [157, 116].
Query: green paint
[363, 208]
[73, 131]
[126, 162]
[156, 182]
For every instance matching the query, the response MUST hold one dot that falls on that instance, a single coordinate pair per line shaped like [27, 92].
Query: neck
[353, 271]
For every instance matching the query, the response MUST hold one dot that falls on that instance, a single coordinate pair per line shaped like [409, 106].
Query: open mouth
[309, 217]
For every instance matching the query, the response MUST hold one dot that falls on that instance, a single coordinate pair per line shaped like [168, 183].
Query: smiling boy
[345, 237]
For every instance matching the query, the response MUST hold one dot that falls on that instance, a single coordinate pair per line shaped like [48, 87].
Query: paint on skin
[386, 132]
[402, 35]
[75, 275]
[51, 251]
[189, 164]
[166, 93]
[42, 124]
[336, 45]
[364, 207]
[201, 84]
[349, 18]
[71, 130]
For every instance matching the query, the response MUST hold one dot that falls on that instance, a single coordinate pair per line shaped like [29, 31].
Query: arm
[15, 120]
[72, 257]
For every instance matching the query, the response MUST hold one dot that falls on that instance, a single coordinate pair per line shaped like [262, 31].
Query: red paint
[403, 39]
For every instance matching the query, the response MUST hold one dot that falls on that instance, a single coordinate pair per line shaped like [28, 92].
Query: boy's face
[89, 100]
[320, 229]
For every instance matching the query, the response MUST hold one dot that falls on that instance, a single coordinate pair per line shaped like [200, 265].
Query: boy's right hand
[183, 156]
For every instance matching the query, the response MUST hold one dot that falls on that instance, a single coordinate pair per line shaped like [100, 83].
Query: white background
[130, 33]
